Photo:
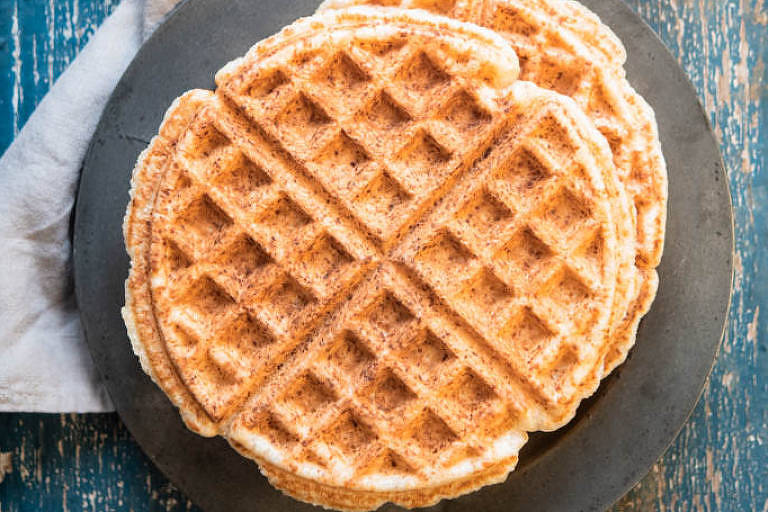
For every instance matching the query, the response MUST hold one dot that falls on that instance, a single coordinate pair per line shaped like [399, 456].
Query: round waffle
[372, 260]
[564, 47]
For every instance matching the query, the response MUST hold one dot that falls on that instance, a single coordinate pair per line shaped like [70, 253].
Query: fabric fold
[45, 364]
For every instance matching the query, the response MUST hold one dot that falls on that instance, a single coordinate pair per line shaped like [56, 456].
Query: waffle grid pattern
[399, 111]
[564, 47]
[558, 60]
[269, 262]
[264, 240]
[537, 276]
[395, 422]
[352, 421]
[557, 63]
[251, 263]
[330, 406]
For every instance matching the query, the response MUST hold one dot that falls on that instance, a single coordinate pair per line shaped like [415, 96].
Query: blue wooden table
[719, 461]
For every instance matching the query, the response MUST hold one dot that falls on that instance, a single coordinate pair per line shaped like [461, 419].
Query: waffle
[564, 47]
[372, 260]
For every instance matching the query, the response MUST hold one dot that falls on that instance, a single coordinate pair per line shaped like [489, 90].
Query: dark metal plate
[618, 433]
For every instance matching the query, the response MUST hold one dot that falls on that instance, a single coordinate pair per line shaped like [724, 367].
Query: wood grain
[719, 461]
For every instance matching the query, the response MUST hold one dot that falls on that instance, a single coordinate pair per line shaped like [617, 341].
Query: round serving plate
[618, 433]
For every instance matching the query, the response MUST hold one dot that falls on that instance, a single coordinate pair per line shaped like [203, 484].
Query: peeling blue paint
[719, 461]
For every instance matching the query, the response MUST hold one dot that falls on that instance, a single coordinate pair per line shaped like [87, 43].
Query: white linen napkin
[44, 361]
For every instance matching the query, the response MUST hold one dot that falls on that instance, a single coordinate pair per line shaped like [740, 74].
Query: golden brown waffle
[564, 47]
[372, 264]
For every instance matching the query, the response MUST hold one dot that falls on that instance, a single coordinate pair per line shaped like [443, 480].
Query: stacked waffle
[394, 240]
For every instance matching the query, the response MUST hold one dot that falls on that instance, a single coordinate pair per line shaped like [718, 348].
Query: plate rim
[79, 239]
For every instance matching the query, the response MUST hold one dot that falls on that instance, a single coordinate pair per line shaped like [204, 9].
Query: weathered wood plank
[78, 462]
[38, 38]
[720, 460]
